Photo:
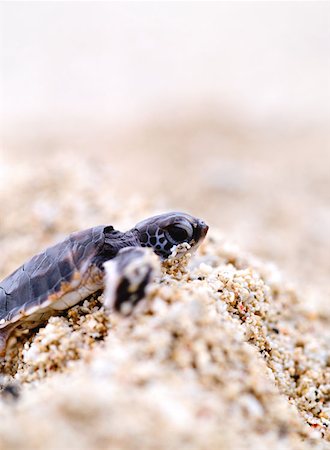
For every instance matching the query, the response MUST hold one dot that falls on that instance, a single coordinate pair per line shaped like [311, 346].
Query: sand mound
[221, 353]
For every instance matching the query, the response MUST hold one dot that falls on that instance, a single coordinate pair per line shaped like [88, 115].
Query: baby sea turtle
[72, 270]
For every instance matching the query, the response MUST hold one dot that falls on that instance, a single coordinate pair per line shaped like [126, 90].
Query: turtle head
[165, 231]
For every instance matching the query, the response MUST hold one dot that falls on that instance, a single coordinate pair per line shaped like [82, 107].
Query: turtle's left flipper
[127, 277]
[4, 335]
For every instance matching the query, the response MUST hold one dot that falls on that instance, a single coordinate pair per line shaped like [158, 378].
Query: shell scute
[48, 276]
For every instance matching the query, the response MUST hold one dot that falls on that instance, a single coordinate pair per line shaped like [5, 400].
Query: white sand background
[112, 62]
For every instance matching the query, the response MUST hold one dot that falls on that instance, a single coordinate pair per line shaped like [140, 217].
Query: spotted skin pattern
[70, 271]
[157, 240]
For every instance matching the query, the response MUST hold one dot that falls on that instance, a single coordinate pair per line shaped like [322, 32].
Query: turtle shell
[61, 270]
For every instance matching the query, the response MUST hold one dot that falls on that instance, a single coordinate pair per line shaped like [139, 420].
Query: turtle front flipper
[4, 335]
[127, 277]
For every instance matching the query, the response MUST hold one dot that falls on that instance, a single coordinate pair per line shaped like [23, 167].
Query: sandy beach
[112, 112]
[221, 347]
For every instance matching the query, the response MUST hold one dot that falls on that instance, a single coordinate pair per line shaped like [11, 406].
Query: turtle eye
[177, 234]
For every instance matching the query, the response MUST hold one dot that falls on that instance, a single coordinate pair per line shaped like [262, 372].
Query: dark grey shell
[45, 274]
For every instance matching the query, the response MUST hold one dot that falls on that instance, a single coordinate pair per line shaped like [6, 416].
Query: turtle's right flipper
[127, 276]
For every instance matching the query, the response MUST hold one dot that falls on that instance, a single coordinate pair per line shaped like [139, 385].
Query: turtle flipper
[4, 335]
[3, 342]
[127, 276]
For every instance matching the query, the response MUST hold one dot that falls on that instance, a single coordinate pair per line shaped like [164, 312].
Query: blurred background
[218, 108]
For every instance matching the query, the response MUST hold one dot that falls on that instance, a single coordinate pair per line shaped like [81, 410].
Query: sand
[222, 353]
